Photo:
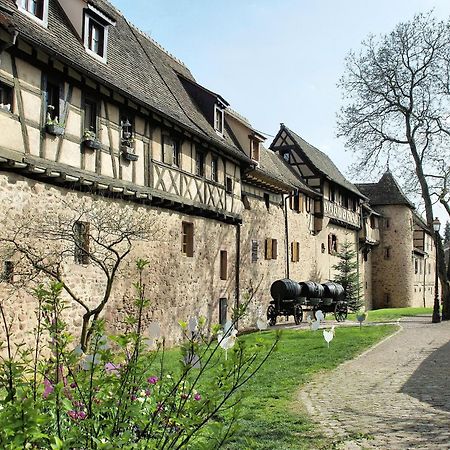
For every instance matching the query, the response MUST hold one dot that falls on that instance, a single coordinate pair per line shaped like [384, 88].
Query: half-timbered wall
[26, 134]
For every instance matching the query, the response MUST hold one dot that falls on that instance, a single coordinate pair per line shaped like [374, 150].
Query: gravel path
[395, 396]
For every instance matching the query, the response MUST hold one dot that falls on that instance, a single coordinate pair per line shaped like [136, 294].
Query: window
[387, 253]
[223, 265]
[218, 119]
[246, 201]
[223, 310]
[214, 169]
[271, 248]
[81, 239]
[53, 97]
[286, 156]
[416, 266]
[332, 244]
[229, 185]
[8, 271]
[90, 115]
[254, 149]
[36, 9]
[170, 149]
[95, 37]
[199, 163]
[295, 251]
[332, 194]
[387, 222]
[296, 202]
[188, 239]
[267, 200]
[255, 246]
[6, 97]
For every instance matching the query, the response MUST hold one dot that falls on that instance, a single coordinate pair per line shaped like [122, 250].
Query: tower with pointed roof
[403, 262]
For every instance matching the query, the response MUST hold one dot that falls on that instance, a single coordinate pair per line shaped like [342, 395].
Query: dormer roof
[316, 159]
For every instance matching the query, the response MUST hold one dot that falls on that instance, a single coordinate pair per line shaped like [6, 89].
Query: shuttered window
[297, 202]
[332, 244]
[223, 265]
[170, 151]
[187, 244]
[271, 248]
[81, 240]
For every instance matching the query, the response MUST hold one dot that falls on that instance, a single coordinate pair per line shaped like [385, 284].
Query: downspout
[286, 230]
[237, 291]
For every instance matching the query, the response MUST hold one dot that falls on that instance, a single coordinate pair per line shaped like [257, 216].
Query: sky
[275, 60]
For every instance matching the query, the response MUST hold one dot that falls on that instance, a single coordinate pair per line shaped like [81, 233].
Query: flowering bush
[124, 391]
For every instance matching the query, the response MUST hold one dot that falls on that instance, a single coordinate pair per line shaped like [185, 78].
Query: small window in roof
[35, 9]
[95, 36]
[218, 119]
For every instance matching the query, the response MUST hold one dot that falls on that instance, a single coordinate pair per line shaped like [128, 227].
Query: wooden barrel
[333, 290]
[285, 289]
[311, 289]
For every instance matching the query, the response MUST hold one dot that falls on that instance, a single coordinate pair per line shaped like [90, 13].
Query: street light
[436, 314]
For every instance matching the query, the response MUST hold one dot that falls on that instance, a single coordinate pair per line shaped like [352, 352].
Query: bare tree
[91, 232]
[397, 105]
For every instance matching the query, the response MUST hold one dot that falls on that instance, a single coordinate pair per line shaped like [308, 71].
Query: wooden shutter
[268, 248]
[223, 265]
[330, 243]
[292, 251]
[274, 249]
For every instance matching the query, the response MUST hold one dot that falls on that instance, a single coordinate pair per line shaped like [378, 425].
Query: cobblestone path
[395, 396]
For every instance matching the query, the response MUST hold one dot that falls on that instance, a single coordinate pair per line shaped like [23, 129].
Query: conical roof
[386, 192]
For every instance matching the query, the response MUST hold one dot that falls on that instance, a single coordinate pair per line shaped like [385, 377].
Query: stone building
[94, 115]
[404, 262]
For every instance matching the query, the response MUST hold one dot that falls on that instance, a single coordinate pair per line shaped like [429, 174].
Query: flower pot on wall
[92, 144]
[128, 153]
[54, 129]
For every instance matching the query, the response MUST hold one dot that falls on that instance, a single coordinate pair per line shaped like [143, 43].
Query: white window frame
[87, 20]
[43, 21]
[222, 111]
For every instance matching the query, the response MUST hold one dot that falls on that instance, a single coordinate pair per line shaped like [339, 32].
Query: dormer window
[35, 9]
[254, 149]
[96, 26]
[218, 119]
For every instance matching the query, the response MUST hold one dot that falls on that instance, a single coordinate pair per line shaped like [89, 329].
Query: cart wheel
[340, 311]
[316, 308]
[298, 314]
[271, 315]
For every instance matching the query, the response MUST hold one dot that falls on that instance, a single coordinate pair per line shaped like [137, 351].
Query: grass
[387, 314]
[271, 417]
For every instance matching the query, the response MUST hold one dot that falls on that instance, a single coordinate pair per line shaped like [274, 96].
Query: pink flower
[112, 369]
[76, 415]
[152, 380]
[197, 397]
[73, 385]
[48, 388]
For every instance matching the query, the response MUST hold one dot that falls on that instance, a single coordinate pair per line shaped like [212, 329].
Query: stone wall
[179, 286]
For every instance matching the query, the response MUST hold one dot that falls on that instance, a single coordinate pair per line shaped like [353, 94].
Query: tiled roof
[322, 162]
[385, 192]
[137, 67]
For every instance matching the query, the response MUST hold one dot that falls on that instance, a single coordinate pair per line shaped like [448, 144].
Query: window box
[90, 140]
[128, 153]
[93, 144]
[55, 129]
